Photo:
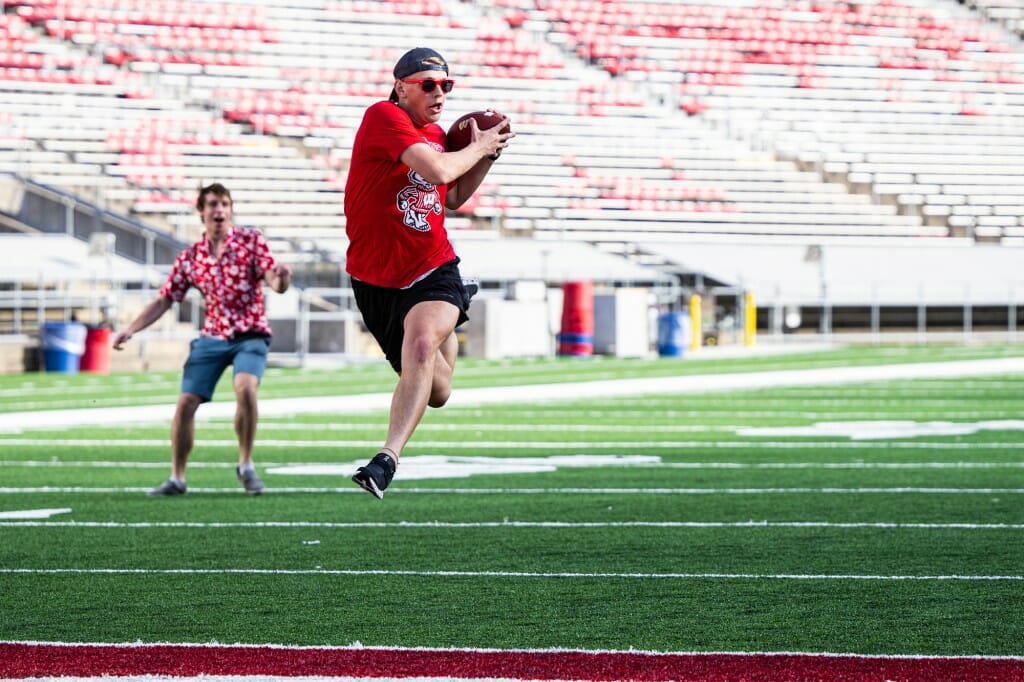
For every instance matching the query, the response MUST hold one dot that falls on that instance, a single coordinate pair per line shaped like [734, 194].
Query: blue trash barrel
[673, 334]
[63, 345]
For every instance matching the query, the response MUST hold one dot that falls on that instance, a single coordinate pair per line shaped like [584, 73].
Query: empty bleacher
[820, 84]
[636, 120]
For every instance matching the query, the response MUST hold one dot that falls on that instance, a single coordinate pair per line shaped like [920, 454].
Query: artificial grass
[697, 615]
[595, 586]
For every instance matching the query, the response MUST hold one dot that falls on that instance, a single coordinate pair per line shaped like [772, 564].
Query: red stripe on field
[87, 660]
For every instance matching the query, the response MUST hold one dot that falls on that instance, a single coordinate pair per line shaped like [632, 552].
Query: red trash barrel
[577, 335]
[96, 357]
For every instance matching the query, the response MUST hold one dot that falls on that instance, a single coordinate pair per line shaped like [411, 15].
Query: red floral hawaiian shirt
[232, 285]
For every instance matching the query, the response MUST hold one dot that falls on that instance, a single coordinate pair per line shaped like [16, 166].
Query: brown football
[460, 133]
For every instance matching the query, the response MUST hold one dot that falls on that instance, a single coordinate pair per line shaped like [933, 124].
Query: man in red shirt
[404, 270]
[229, 266]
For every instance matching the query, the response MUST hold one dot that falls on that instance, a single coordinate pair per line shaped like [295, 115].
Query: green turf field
[892, 522]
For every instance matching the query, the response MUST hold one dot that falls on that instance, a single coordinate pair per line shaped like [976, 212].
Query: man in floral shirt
[229, 266]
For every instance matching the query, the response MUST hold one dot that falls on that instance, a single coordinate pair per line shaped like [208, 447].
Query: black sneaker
[377, 475]
[470, 285]
[168, 487]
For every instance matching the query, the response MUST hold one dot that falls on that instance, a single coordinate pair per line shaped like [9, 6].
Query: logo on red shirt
[417, 201]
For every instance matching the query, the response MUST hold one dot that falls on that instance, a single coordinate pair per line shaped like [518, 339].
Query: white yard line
[506, 524]
[112, 464]
[532, 394]
[478, 445]
[357, 646]
[398, 490]
[509, 574]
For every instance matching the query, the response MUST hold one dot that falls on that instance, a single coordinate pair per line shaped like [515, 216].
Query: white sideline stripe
[555, 428]
[531, 394]
[837, 414]
[549, 491]
[531, 445]
[836, 465]
[513, 524]
[357, 646]
[98, 464]
[503, 574]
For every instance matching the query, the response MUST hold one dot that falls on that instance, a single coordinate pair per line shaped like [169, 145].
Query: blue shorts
[208, 357]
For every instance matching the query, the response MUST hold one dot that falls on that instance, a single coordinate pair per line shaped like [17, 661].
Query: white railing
[326, 321]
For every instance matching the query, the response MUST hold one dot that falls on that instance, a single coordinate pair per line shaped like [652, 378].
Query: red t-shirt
[394, 217]
[231, 285]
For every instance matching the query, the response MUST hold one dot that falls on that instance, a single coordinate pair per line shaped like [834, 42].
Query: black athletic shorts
[384, 309]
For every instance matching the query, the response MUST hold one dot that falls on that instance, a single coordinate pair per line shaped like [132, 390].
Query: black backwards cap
[415, 60]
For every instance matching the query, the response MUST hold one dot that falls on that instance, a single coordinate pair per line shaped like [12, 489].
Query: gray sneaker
[470, 285]
[250, 481]
[168, 487]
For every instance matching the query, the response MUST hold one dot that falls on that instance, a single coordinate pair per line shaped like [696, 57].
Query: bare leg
[428, 358]
[444, 367]
[246, 415]
[183, 433]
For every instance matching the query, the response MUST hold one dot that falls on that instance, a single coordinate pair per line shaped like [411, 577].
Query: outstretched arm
[150, 314]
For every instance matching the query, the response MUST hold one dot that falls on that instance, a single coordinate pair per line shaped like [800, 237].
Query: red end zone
[19, 659]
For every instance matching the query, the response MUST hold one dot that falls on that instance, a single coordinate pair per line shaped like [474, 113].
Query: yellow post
[696, 332]
[750, 320]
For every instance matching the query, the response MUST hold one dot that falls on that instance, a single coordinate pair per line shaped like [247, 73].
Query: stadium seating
[820, 84]
[114, 133]
[1009, 13]
[637, 120]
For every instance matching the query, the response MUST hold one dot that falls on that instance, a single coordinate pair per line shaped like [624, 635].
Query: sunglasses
[428, 84]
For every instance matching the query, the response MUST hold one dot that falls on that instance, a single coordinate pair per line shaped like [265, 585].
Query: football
[460, 133]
